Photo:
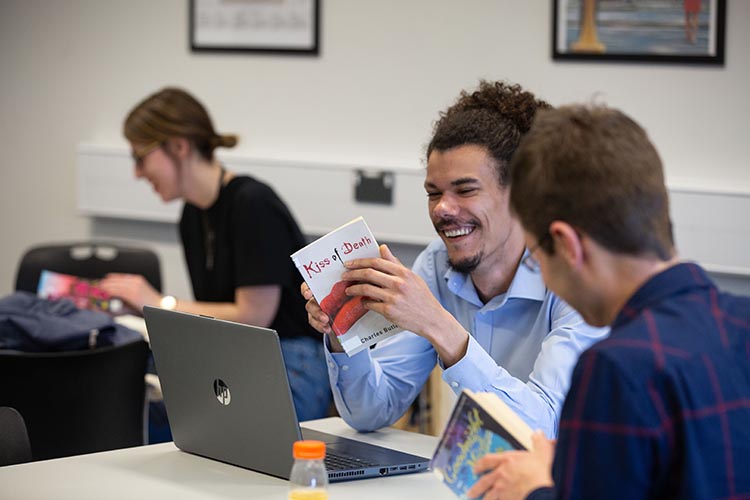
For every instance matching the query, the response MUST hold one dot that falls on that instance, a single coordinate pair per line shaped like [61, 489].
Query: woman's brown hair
[172, 112]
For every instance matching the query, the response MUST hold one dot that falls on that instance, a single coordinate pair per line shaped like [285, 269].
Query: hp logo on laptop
[222, 392]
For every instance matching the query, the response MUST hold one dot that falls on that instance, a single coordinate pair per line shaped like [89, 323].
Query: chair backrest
[77, 402]
[90, 260]
[14, 439]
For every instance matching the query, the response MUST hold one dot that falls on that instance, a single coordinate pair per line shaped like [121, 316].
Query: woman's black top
[245, 239]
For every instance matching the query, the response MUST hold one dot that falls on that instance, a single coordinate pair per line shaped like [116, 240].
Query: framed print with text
[275, 26]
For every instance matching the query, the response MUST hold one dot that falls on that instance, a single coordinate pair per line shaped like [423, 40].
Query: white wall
[70, 70]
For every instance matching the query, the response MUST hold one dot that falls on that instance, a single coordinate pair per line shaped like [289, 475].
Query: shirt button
[345, 368]
[454, 384]
[330, 364]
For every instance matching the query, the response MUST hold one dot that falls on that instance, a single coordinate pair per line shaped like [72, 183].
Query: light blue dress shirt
[523, 346]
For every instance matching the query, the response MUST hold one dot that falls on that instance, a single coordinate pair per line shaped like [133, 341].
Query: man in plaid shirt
[660, 409]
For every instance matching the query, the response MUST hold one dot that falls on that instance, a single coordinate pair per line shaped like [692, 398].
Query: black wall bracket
[374, 187]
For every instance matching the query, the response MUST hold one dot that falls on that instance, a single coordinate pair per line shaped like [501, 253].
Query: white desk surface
[163, 472]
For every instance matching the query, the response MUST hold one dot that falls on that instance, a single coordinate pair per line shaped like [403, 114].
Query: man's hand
[513, 475]
[399, 294]
[318, 319]
[132, 288]
[403, 297]
[393, 290]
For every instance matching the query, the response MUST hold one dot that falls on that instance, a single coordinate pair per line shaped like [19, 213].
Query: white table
[163, 472]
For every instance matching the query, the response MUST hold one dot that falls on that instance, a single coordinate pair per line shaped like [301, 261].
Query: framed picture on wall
[674, 31]
[273, 26]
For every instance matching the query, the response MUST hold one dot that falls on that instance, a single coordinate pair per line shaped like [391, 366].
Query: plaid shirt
[661, 409]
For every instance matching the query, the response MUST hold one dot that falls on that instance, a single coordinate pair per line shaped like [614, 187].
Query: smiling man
[468, 303]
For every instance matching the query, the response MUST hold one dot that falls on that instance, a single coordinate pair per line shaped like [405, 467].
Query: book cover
[84, 293]
[480, 423]
[321, 266]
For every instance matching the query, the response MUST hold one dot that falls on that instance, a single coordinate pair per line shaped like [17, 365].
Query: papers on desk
[84, 293]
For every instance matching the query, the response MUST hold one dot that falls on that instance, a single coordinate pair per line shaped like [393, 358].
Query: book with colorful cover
[83, 292]
[321, 264]
[480, 423]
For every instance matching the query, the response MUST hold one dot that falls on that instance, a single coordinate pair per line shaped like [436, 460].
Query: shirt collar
[672, 281]
[526, 284]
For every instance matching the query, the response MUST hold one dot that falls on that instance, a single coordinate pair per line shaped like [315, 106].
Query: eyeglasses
[529, 261]
[138, 157]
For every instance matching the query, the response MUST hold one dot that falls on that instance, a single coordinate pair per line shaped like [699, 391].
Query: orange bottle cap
[309, 449]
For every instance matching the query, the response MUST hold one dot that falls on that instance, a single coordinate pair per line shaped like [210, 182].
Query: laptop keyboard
[342, 462]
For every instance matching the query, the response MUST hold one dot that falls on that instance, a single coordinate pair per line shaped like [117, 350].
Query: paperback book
[321, 264]
[480, 423]
[84, 293]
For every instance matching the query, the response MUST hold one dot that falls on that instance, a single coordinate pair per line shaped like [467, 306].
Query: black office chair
[14, 439]
[90, 260]
[77, 402]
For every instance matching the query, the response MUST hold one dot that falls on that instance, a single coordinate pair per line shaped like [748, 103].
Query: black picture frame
[650, 31]
[253, 26]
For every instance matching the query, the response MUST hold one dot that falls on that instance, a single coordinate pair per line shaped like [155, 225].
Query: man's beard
[466, 265]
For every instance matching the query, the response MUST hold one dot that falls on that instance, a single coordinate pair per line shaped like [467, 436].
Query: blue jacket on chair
[31, 324]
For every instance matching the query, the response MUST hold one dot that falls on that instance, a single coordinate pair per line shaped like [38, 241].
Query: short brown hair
[594, 168]
[172, 112]
[494, 116]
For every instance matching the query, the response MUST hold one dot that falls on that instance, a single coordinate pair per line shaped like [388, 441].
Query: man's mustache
[444, 222]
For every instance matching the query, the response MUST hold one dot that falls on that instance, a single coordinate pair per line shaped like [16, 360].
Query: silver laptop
[227, 398]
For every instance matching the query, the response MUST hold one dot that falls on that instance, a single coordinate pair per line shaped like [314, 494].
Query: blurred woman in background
[237, 235]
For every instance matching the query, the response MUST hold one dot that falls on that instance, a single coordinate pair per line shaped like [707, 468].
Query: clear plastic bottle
[309, 479]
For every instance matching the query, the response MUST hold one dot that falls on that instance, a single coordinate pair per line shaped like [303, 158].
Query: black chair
[14, 439]
[90, 260]
[77, 402]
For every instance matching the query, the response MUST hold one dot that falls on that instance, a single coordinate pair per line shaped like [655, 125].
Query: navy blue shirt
[661, 409]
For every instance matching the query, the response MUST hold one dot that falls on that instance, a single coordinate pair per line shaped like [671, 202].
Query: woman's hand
[131, 288]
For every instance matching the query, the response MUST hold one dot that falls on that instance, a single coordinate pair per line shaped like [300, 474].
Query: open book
[84, 293]
[321, 266]
[480, 423]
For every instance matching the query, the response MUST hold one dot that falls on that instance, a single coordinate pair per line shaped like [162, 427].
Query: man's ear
[567, 243]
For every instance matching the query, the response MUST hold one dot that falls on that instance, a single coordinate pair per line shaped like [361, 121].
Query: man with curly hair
[469, 303]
